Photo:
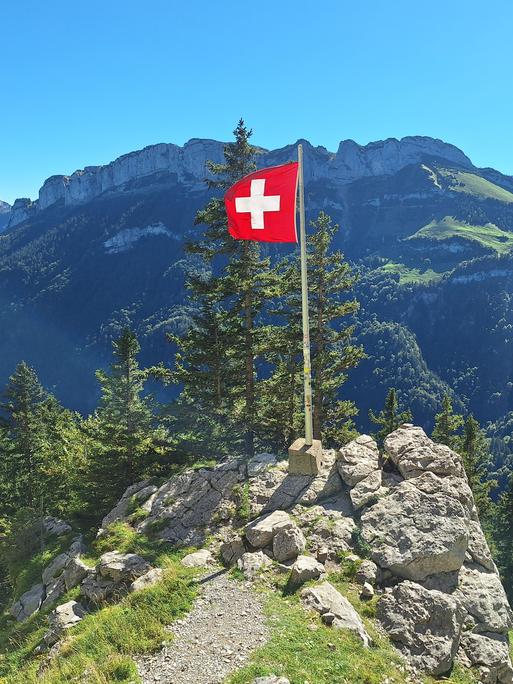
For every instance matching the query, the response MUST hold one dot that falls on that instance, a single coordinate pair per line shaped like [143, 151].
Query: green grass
[103, 643]
[471, 184]
[488, 236]
[411, 276]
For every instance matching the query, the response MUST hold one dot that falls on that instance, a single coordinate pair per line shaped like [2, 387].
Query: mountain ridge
[350, 162]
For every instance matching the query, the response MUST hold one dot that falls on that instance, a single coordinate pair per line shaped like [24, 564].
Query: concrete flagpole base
[304, 459]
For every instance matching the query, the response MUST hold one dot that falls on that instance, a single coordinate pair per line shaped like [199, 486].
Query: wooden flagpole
[304, 305]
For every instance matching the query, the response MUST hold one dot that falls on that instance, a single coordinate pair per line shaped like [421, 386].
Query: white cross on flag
[262, 205]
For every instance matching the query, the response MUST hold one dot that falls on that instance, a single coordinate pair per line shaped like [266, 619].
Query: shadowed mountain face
[431, 234]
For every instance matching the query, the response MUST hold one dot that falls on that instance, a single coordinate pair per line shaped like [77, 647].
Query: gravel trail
[215, 639]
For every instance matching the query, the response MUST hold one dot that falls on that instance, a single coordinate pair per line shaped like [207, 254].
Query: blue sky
[84, 82]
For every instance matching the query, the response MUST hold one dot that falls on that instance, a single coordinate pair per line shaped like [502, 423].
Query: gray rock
[415, 534]
[367, 591]
[414, 453]
[358, 459]
[478, 547]
[324, 598]
[259, 463]
[483, 596]
[261, 531]
[366, 490]
[368, 571]
[121, 567]
[28, 603]
[149, 579]
[252, 563]
[63, 618]
[53, 591]
[424, 625]
[489, 653]
[76, 571]
[97, 590]
[231, 550]
[55, 568]
[272, 679]
[288, 542]
[54, 526]
[198, 559]
[304, 569]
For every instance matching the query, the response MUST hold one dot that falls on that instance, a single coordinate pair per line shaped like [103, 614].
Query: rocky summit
[404, 518]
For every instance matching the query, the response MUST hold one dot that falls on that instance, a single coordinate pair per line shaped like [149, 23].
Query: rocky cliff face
[5, 211]
[188, 165]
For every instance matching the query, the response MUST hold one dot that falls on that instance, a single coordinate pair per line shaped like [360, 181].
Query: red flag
[262, 205]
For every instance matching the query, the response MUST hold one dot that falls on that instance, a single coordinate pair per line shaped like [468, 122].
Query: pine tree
[390, 418]
[447, 424]
[329, 281]
[503, 537]
[474, 448]
[25, 430]
[230, 293]
[124, 432]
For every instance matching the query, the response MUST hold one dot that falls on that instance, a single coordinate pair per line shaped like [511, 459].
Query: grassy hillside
[488, 236]
[472, 184]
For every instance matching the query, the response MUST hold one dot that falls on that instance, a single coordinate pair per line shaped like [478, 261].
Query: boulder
[29, 602]
[367, 591]
[489, 653]
[288, 542]
[366, 490]
[231, 550]
[147, 580]
[424, 625]
[304, 569]
[62, 618]
[121, 567]
[478, 547]
[483, 597]
[415, 534]
[55, 568]
[76, 571]
[53, 591]
[358, 459]
[261, 531]
[367, 571]
[97, 589]
[251, 563]
[414, 453]
[324, 598]
[55, 527]
[198, 559]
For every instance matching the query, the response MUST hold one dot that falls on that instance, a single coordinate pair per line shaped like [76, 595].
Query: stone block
[305, 459]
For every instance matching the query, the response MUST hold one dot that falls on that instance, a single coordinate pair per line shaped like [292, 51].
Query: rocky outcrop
[61, 619]
[187, 166]
[64, 572]
[410, 510]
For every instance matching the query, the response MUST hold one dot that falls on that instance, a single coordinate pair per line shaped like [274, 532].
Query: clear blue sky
[84, 82]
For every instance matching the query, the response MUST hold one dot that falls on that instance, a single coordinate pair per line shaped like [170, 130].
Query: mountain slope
[104, 247]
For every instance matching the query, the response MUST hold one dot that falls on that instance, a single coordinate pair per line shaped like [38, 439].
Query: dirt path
[215, 639]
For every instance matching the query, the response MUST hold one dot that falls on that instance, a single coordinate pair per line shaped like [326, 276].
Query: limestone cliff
[188, 165]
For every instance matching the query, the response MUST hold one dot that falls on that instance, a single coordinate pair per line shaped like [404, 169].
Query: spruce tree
[474, 448]
[390, 418]
[447, 424]
[124, 431]
[229, 293]
[25, 431]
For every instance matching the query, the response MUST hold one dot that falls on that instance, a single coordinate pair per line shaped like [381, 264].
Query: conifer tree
[447, 424]
[332, 352]
[230, 293]
[124, 430]
[390, 418]
[22, 458]
[474, 448]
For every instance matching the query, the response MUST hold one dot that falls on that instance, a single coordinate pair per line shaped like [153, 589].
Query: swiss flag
[262, 205]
